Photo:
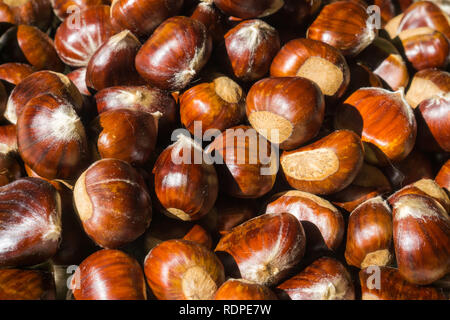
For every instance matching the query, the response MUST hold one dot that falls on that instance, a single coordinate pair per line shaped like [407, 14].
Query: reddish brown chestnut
[183, 270]
[426, 84]
[39, 83]
[63, 8]
[388, 284]
[113, 63]
[17, 284]
[126, 135]
[30, 222]
[343, 25]
[199, 235]
[288, 111]
[248, 9]
[443, 176]
[31, 12]
[185, 184]
[421, 238]
[324, 279]
[213, 19]
[219, 104]
[326, 166]
[51, 138]
[369, 235]
[251, 46]
[315, 214]
[247, 163]
[11, 74]
[384, 120]
[265, 248]
[78, 77]
[240, 289]
[109, 275]
[113, 203]
[175, 53]
[316, 61]
[8, 139]
[79, 36]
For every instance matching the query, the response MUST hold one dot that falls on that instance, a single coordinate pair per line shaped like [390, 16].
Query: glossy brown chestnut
[183, 270]
[11, 74]
[113, 63]
[433, 123]
[219, 104]
[247, 9]
[30, 222]
[316, 61]
[424, 187]
[288, 111]
[343, 25]
[78, 77]
[247, 163]
[79, 37]
[443, 176]
[369, 235]
[109, 275]
[265, 248]
[425, 48]
[388, 284]
[325, 166]
[240, 289]
[322, 222]
[39, 83]
[324, 279]
[425, 14]
[128, 211]
[384, 120]
[251, 46]
[30, 45]
[421, 238]
[213, 19]
[51, 138]
[31, 12]
[63, 8]
[175, 53]
[426, 84]
[185, 184]
[142, 17]
[385, 61]
[17, 284]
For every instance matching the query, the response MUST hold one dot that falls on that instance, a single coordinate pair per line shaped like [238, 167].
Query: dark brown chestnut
[20, 284]
[247, 9]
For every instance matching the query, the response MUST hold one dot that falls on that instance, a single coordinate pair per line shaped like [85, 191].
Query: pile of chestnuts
[224, 149]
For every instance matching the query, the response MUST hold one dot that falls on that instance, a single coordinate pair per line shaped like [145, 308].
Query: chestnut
[343, 25]
[246, 162]
[316, 61]
[421, 238]
[185, 184]
[8, 139]
[369, 235]
[30, 45]
[294, 13]
[30, 12]
[392, 286]
[39, 83]
[391, 27]
[76, 45]
[425, 48]
[183, 270]
[109, 275]
[219, 104]
[20, 284]
[11, 74]
[433, 125]
[443, 176]
[240, 289]
[78, 77]
[10, 168]
[265, 248]
[63, 8]
[231, 212]
[113, 63]
[426, 84]
[425, 187]
[250, 47]
[324, 279]
[383, 58]
[360, 77]
[384, 120]
[213, 19]
[174, 54]
[128, 211]
[247, 9]
[199, 235]
[142, 17]
[273, 110]
[51, 138]
[30, 222]
[325, 166]
[322, 222]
